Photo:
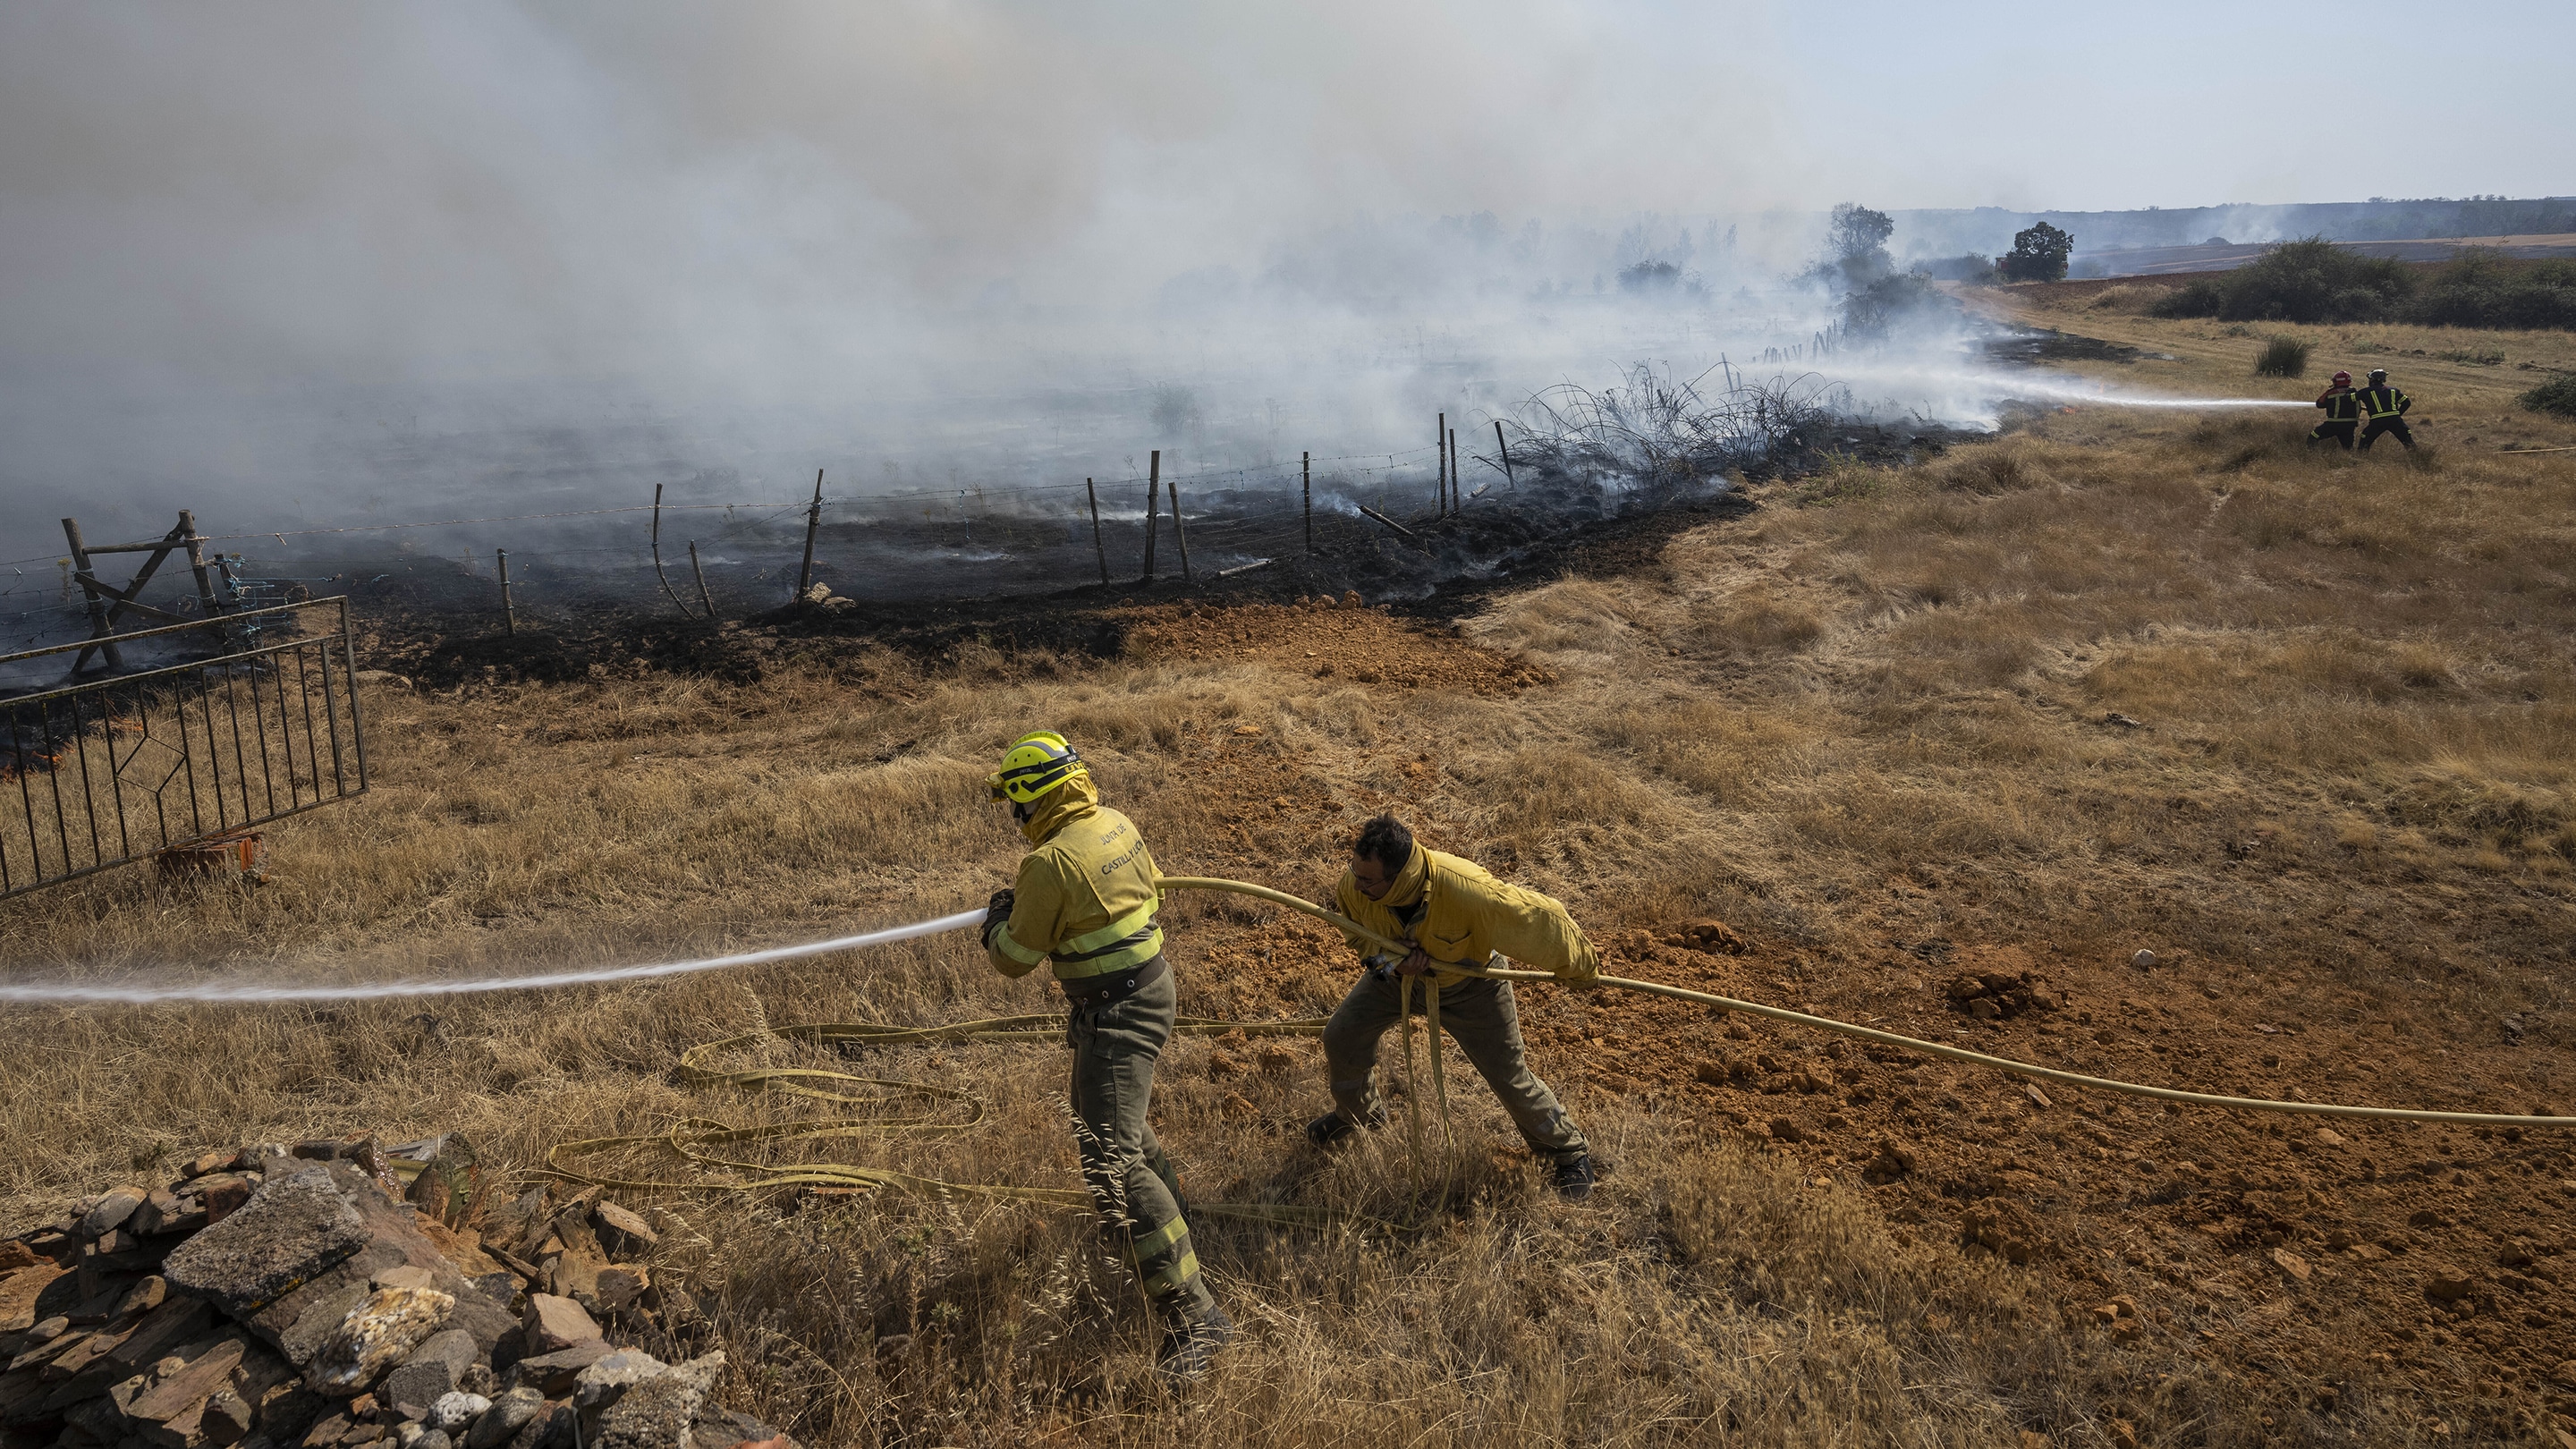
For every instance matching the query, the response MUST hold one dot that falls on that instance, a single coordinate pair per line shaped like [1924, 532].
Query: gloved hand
[997, 912]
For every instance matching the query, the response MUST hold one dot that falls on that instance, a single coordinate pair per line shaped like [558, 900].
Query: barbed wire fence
[1563, 454]
[972, 541]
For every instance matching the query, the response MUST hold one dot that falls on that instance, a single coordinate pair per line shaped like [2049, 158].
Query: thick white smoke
[290, 263]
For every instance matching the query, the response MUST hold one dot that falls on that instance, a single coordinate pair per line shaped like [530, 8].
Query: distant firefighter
[2385, 408]
[2343, 412]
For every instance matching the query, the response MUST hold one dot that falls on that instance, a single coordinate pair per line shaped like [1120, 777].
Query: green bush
[2282, 357]
[2316, 281]
[2302, 281]
[2479, 291]
[2558, 395]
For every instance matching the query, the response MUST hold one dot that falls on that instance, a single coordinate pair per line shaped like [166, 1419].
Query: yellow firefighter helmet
[1034, 764]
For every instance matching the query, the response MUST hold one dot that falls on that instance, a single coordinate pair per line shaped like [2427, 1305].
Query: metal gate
[192, 752]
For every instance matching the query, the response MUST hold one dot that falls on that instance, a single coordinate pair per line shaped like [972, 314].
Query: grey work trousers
[1115, 1047]
[1481, 1017]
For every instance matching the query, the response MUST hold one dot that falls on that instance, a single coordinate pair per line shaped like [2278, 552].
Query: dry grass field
[2303, 725]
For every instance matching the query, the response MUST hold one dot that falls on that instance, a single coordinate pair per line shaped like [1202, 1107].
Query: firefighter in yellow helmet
[1455, 914]
[1086, 899]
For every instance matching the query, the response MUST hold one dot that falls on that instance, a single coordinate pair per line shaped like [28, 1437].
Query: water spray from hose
[137, 993]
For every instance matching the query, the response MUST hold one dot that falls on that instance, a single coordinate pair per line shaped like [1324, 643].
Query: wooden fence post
[1097, 547]
[657, 555]
[1439, 444]
[1181, 533]
[206, 599]
[1506, 450]
[704, 602]
[509, 616]
[813, 521]
[1153, 498]
[88, 576]
[1306, 468]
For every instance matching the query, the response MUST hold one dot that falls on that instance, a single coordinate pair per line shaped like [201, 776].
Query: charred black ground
[438, 623]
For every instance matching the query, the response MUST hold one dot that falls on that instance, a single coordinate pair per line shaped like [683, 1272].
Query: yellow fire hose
[909, 1107]
[1889, 1038]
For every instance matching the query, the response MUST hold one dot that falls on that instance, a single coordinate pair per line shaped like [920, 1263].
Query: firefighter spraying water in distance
[2343, 413]
[1455, 914]
[1086, 899]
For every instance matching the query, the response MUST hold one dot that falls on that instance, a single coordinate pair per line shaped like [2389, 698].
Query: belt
[1103, 989]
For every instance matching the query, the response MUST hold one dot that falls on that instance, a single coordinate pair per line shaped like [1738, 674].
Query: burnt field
[920, 587]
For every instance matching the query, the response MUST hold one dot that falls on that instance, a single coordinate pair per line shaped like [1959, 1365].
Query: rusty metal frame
[229, 760]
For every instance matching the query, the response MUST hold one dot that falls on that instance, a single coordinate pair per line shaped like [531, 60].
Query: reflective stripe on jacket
[2342, 405]
[2383, 402]
[1466, 915]
[1085, 896]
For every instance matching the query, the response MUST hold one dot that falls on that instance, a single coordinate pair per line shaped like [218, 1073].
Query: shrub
[2479, 291]
[1650, 276]
[1873, 310]
[1973, 268]
[2282, 357]
[2193, 299]
[2302, 281]
[2558, 395]
[2130, 298]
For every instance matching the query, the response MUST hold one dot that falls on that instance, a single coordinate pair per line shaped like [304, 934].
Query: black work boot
[1573, 1178]
[1329, 1130]
[1198, 1333]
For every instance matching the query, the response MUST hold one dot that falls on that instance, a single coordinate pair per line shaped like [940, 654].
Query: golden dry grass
[1873, 711]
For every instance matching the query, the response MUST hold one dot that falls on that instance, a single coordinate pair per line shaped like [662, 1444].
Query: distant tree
[1856, 238]
[2039, 254]
[1856, 231]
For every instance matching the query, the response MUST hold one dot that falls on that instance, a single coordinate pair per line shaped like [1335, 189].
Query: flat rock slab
[294, 1227]
[557, 1372]
[660, 1411]
[553, 1323]
[377, 1335]
[434, 1369]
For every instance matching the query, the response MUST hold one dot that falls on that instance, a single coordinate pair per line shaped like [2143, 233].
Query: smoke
[320, 265]
[259, 247]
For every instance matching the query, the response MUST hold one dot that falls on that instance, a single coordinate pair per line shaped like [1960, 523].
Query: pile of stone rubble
[337, 1295]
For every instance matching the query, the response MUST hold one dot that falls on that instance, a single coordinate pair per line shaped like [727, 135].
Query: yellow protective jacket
[1466, 916]
[1085, 896]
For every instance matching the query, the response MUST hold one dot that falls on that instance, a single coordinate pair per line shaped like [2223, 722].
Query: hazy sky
[2032, 104]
